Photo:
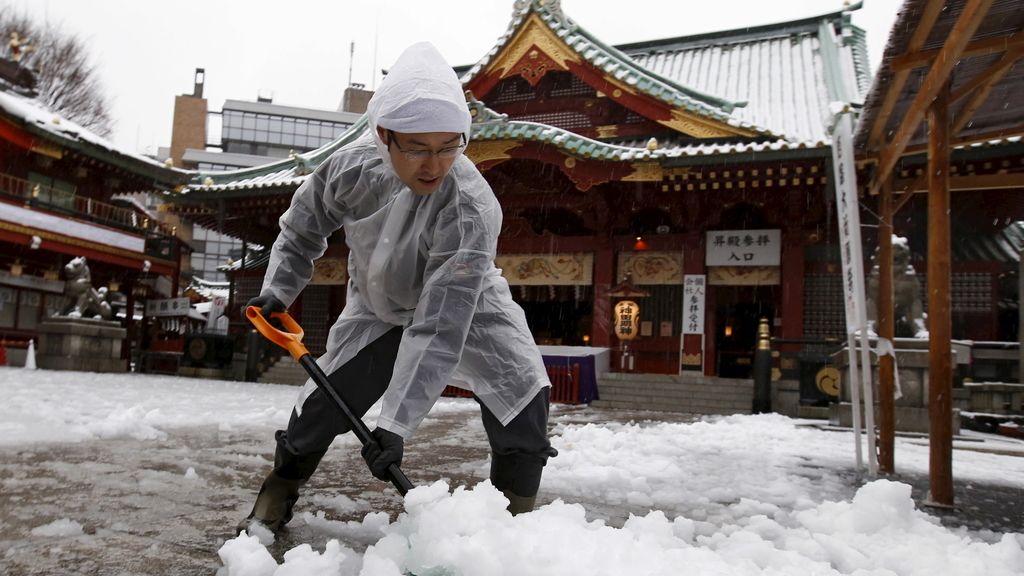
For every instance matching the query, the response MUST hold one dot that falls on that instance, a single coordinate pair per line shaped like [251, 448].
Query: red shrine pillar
[604, 279]
[792, 284]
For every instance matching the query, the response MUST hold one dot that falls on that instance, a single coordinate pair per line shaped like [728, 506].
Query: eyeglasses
[419, 155]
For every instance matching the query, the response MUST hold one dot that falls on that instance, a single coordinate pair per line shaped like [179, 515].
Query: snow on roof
[40, 120]
[788, 73]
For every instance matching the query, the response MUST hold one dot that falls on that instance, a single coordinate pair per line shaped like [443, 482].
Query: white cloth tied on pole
[884, 347]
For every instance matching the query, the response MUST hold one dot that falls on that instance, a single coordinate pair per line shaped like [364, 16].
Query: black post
[254, 350]
[762, 370]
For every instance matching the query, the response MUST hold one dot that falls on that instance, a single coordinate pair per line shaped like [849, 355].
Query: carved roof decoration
[540, 38]
[481, 113]
[491, 139]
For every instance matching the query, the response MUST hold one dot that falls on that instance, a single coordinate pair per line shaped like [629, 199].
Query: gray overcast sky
[146, 51]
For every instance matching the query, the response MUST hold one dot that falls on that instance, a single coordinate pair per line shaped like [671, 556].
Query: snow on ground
[730, 495]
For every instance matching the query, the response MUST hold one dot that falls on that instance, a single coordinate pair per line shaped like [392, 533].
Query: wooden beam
[910, 60]
[999, 67]
[940, 318]
[885, 110]
[938, 76]
[1000, 134]
[989, 78]
[924, 28]
[971, 139]
[966, 182]
[908, 193]
[886, 329]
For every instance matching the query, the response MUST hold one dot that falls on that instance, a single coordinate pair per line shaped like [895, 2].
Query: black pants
[519, 450]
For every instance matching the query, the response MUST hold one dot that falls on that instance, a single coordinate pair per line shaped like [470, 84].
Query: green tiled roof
[282, 173]
[488, 126]
[618, 65]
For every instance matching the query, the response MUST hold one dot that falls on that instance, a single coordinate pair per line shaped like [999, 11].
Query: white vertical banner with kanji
[852, 254]
[694, 286]
[850, 246]
[694, 293]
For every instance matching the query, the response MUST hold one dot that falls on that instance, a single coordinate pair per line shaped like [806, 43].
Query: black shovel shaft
[398, 478]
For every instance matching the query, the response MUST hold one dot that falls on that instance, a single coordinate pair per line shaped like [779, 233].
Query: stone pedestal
[81, 344]
[912, 365]
[996, 397]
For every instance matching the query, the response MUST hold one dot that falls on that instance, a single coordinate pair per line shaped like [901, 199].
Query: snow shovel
[292, 342]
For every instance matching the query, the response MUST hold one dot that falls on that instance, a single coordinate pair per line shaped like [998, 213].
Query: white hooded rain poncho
[422, 262]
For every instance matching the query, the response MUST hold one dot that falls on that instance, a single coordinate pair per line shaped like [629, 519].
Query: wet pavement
[144, 513]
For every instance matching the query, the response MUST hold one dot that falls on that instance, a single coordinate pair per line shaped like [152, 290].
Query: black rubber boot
[519, 504]
[273, 507]
[518, 478]
[280, 491]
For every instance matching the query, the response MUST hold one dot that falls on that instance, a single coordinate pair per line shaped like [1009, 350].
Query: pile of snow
[469, 532]
[63, 528]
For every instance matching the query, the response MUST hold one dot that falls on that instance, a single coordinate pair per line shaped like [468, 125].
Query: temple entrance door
[737, 313]
[557, 315]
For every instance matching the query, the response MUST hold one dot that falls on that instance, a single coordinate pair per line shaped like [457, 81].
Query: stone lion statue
[908, 309]
[82, 299]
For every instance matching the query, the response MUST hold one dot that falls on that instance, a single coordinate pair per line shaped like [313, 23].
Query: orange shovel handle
[290, 341]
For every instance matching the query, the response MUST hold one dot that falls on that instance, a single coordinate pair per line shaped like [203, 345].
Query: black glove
[267, 304]
[380, 455]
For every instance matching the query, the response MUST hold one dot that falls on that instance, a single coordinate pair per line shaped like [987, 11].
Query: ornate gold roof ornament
[18, 46]
[553, 7]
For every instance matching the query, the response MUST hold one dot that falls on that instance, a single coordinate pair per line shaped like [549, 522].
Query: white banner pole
[855, 381]
[869, 398]
[851, 251]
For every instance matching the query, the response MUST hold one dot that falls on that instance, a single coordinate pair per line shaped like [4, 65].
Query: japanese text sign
[743, 247]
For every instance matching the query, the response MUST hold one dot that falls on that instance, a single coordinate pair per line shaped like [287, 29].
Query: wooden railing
[71, 204]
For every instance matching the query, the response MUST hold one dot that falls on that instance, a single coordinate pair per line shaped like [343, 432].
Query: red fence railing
[565, 385]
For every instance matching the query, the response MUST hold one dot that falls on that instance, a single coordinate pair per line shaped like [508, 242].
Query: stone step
[608, 392]
[285, 371]
[710, 391]
[696, 407]
[690, 394]
[661, 406]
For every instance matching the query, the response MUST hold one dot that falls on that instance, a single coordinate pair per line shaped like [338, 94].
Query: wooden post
[1020, 316]
[131, 327]
[887, 330]
[940, 373]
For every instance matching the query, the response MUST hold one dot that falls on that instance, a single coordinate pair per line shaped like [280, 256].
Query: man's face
[422, 160]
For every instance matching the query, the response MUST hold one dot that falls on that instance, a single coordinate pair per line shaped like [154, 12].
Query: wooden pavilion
[940, 145]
